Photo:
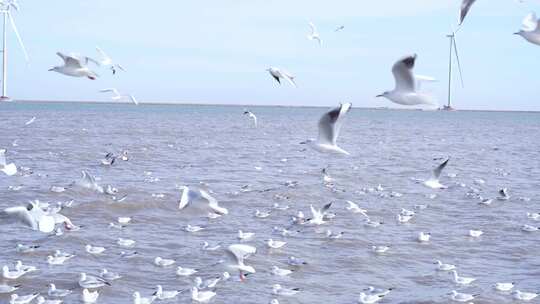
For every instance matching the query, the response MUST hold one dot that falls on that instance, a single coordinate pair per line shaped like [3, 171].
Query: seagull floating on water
[57, 293]
[524, 296]
[91, 282]
[277, 289]
[89, 296]
[201, 296]
[461, 297]
[504, 286]
[462, 280]
[16, 299]
[444, 267]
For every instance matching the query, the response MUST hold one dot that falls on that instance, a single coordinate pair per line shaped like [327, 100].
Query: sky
[216, 51]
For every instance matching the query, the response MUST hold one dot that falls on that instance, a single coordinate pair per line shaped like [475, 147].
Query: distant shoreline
[175, 103]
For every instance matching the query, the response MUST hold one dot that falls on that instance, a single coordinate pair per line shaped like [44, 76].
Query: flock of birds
[49, 218]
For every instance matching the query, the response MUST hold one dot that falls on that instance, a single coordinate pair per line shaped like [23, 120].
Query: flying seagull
[433, 182]
[200, 197]
[118, 96]
[329, 127]
[406, 84]
[74, 66]
[314, 35]
[238, 253]
[251, 116]
[31, 216]
[465, 7]
[339, 28]
[107, 61]
[530, 30]
[278, 74]
[8, 169]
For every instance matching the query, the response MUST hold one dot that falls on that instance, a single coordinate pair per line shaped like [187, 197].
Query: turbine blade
[18, 37]
[458, 62]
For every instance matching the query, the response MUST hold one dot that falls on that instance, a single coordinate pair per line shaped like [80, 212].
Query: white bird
[462, 280]
[465, 7]
[57, 260]
[252, 117]
[282, 272]
[314, 35]
[504, 286]
[529, 228]
[117, 96]
[329, 127]
[158, 261]
[91, 282]
[32, 216]
[31, 121]
[12, 274]
[277, 289]
[94, 249]
[125, 242]
[380, 292]
[380, 249]
[533, 216]
[190, 228]
[339, 28]
[74, 66]
[354, 208]
[166, 294]
[332, 235]
[244, 236]
[89, 296]
[475, 233]
[405, 91]
[106, 61]
[369, 298]
[8, 169]
[524, 296]
[19, 266]
[201, 296]
[461, 297]
[206, 246]
[424, 236]
[16, 299]
[8, 288]
[124, 220]
[108, 275]
[296, 262]
[404, 218]
[530, 30]
[444, 267]
[89, 182]
[22, 248]
[279, 74]
[238, 253]
[262, 214]
[200, 198]
[185, 272]
[57, 293]
[275, 244]
[433, 182]
[137, 299]
[42, 300]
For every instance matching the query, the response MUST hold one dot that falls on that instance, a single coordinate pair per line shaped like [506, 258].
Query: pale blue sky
[216, 51]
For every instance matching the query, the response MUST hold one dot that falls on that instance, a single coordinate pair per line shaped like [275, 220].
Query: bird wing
[111, 90]
[133, 100]
[530, 23]
[240, 252]
[289, 78]
[104, 58]
[187, 196]
[330, 124]
[403, 74]
[120, 67]
[438, 170]
[465, 7]
[313, 28]
[21, 214]
[3, 157]
[70, 61]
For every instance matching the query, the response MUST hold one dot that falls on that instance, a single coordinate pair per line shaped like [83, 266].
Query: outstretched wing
[403, 73]
[330, 124]
[438, 170]
[313, 28]
[530, 23]
[69, 60]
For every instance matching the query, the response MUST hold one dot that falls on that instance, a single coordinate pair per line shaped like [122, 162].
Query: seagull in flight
[405, 92]
[339, 28]
[107, 61]
[8, 169]
[238, 253]
[251, 116]
[314, 35]
[530, 29]
[278, 74]
[118, 96]
[433, 182]
[465, 7]
[329, 127]
[32, 216]
[200, 196]
[75, 66]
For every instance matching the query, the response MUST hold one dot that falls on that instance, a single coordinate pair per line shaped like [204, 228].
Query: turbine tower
[453, 51]
[5, 8]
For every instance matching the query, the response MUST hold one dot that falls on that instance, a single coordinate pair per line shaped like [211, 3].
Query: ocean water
[173, 145]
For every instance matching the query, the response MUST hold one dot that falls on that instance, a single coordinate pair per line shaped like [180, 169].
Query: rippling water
[185, 145]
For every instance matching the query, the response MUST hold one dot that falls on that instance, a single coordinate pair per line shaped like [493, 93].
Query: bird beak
[51, 69]
[380, 95]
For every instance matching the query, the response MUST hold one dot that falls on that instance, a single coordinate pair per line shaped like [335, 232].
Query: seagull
[89, 182]
[278, 74]
[354, 208]
[504, 196]
[524, 296]
[329, 127]
[57, 293]
[32, 216]
[534, 216]
[314, 35]
[74, 67]
[89, 297]
[91, 282]
[123, 220]
[109, 276]
[369, 298]
[106, 61]
[158, 261]
[16, 299]
[282, 272]
[296, 262]
[461, 297]
[57, 260]
[277, 289]
[201, 296]
[244, 236]
[185, 272]
[424, 236]
[504, 286]
[200, 197]
[262, 214]
[465, 7]
[380, 292]
[26, 268]
[8, 289]
[475, 233]
[137, 299]
[433, 182]
[339, 28]
[8, 169]
[462, 280]
[125, 242]
[444, 267]
[405, 92]
[206, 246]
[529, 228]
[380, 249]
[530, 30]
[12, 274]
[190, 228]
[238, 253]
[161, 294]
[252, 117]
[94, 249]
[332, 235]
[31, 121]
[42, 300]
[117, 96]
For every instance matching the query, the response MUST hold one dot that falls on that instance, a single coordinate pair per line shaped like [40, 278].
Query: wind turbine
[5, 8]
[453, 51]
